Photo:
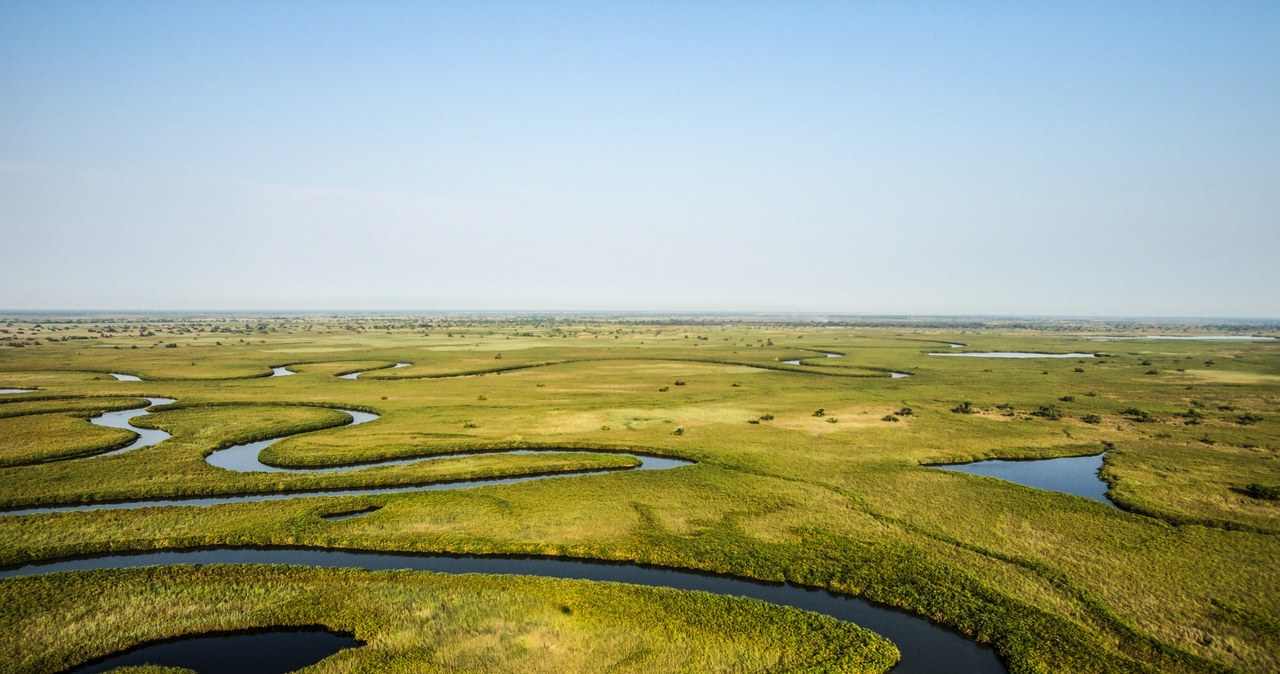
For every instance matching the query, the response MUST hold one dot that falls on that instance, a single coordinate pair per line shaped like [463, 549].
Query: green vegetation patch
[427, 622]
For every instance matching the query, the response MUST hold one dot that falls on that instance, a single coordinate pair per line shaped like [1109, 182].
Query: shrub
[678, 431]
[753, 420]
[965, 407]
[1067, 399]
[1261, 491]
[904, 412]
[1091, 419]
[1077, 369]
[664, 389]
[1248, 419]
[679, 382]
[1137, 415]
[766, 417]
[1050, 412]
[888, 417]
[819, 412]
[832, 420]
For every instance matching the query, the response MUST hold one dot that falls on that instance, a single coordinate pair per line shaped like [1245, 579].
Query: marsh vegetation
[1179, 577]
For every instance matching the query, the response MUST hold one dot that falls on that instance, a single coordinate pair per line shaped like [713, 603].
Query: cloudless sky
[1086, 158]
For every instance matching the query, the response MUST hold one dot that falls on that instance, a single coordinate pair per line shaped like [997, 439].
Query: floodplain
[783, 460]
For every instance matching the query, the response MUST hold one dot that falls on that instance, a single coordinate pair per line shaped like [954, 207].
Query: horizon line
[636, 312]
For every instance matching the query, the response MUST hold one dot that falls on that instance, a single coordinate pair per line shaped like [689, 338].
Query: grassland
[478, 623]
[1182, 578]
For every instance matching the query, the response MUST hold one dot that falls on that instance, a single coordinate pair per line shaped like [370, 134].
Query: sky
[1044, 158]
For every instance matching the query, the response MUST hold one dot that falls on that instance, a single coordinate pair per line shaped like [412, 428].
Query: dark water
[338, 517]
[274, 652]
[146, 436]
[1070, 475]
[925, 647]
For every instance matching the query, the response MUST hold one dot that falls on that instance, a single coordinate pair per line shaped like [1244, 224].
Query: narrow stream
[925, 647]
[15, 390]
[244, 459]
[121, 419]
[125, 377]
[1012, 354]
[281, 371]
[828, 354]
[357, 373]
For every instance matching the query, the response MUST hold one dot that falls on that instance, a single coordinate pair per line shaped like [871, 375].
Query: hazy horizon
[908, 159]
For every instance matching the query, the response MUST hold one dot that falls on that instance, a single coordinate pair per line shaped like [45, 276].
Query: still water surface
[1069, 474]
[260, 652]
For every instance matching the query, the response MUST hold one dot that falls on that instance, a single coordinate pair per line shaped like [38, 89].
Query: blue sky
[881, 157]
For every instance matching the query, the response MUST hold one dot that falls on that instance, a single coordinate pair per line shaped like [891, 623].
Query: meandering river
[925, 647]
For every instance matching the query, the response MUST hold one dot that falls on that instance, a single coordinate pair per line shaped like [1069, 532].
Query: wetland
[696, 487]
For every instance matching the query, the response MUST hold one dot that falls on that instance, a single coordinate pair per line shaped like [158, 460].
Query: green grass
[426, 622]
[1184, 580]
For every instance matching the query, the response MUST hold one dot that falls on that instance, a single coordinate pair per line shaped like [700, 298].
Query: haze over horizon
[1054, 159]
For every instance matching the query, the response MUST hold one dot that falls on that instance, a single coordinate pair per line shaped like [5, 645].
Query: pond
[1076, 475]
[258, 651]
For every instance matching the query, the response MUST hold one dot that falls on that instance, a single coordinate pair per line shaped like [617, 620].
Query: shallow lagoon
[1076, 475]
[267, 652]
